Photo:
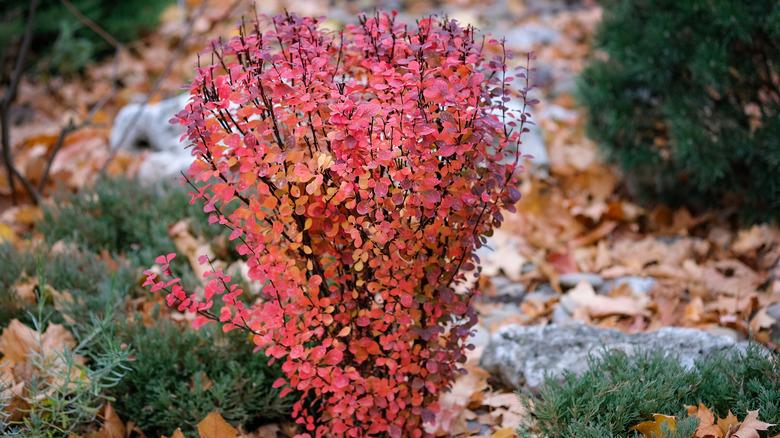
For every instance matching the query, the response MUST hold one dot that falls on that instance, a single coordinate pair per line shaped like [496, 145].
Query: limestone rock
[521, 356]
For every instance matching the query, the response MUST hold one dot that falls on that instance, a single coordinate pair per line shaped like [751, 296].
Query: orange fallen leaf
[726, 424]
[7, 234]
[654, 429]
[506, 432]
[176, 434]
[214, 426]
[707, 427]
[113, 426]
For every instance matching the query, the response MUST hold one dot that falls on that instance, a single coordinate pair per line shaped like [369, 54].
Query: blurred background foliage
[63, 44]
[685, 97]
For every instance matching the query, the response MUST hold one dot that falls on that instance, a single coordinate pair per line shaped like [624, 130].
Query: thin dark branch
[10, 94]
[86, 21]
[72, 127]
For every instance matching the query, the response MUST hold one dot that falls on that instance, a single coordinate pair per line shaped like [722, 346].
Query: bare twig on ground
[5, 106]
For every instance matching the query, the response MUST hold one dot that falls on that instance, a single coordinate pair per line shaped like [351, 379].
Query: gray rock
[137, 125]
[528, 37]
[162, 164]
[640, 285]
[570, 280]
[774, 311]
[533, 141]
[543, 294]
[560, 315]
[533, 145]
[524, 355]
[725, 331]
[480, 336]
[140, 127]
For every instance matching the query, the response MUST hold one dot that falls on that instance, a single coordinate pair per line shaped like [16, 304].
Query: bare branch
[10, 94]
[86, 21]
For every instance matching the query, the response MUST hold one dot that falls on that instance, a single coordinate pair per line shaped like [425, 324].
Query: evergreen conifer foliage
[685, 97]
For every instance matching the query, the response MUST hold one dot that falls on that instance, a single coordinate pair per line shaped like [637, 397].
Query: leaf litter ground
[574, 217]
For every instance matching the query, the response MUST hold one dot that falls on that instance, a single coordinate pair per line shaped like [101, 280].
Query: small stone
[528, 37]
[570, 280]
[543, 294]
[480, 336]
[640, 285]
[773, 310]
[560, 315]
[139, 126]
[521, 356]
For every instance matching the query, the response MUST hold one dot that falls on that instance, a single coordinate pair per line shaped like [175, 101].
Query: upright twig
[10, 95]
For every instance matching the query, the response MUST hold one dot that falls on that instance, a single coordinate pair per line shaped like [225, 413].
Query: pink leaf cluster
[367, 165]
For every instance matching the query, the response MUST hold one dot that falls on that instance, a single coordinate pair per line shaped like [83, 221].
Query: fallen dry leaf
[191, 247]
[506, 432]
[214, 426]
[653, 429]
[113, 426]
[176, 433]
[17, 342]
[707, 427]
[762, 320]
[726, 424]
[750, 426]
[583, 296]
[506, 406]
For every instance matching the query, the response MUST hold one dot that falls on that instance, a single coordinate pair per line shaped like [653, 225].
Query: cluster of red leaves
[367, 166]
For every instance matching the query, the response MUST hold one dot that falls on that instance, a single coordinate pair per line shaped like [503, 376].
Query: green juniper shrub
[61, 42]
[618, 392]
[94, 289]
[128, 219]
[686, 99]
[180, 375]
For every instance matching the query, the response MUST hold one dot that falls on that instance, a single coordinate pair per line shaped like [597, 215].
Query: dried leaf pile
[574, 217]
[709, 426]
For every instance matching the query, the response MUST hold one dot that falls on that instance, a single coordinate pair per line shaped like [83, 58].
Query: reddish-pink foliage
[369, 165]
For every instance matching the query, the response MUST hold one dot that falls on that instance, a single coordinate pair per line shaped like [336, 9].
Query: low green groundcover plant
[175, 375]
[180, 375]
[123, 216]
[129, 220]
[91, 287]
[619, 392]
[686, 99]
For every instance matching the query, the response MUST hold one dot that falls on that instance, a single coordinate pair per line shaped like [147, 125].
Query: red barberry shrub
[368, 166]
